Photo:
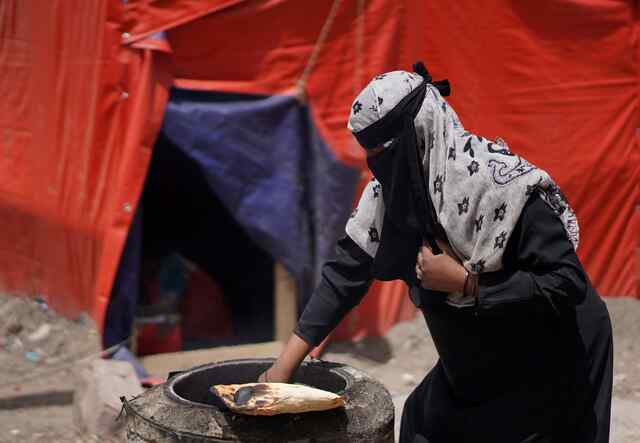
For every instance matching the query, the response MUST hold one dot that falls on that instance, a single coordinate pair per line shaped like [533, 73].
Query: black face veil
[409, 219]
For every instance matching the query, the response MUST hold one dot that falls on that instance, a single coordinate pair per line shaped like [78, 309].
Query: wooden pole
[285, 304]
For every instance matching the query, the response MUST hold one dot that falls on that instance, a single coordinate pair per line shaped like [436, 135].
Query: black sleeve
[539, 261]
[345, 281]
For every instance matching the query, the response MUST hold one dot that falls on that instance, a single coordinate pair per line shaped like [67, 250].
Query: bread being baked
[276, 398]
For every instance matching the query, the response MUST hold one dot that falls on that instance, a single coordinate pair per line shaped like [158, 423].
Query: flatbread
[276, 398]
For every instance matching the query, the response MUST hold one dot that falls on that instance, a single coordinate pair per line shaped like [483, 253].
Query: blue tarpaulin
[265, 160]
[266, 163]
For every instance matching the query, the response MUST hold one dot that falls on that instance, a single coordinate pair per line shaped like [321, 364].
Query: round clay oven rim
[171, 394]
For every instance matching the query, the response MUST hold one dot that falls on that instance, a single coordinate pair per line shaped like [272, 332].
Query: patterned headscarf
[476, 187]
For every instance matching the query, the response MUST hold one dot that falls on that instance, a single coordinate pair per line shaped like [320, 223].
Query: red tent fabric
[84, 85]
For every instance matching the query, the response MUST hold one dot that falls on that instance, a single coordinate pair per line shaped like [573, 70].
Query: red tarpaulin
[84, 85]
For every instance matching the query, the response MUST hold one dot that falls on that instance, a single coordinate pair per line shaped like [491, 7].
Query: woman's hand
[285, 366]
[275, 374]
[440, 272]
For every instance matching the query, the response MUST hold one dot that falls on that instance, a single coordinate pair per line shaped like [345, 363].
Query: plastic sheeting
[78, 118]
[84, 85]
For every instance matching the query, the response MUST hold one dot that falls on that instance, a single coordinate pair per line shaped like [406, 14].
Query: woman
[486, 243]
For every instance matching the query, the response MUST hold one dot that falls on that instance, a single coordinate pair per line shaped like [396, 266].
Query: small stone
[41, 333]
[99, 386]
[14, 329]
[14, 431]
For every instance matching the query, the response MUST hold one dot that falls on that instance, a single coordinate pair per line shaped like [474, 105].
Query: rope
[66, 365]
[359, 47]
[313, 58]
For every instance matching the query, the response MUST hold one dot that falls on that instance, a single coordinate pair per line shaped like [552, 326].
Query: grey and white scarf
[478, 187]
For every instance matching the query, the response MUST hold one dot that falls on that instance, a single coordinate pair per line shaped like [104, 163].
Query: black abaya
[532, 362]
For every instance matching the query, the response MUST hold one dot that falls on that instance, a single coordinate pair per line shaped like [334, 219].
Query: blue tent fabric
[268, 164]
[124, 294]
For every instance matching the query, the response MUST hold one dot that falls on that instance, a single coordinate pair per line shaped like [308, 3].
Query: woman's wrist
[293, 353]
[470, 288]
[463, 280]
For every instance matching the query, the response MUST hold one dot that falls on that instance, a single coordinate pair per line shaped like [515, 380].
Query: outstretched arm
[345, 281]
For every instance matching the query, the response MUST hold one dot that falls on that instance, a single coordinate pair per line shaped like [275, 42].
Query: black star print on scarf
[500, 240]
[452, 153]
[380, 101]
[473, 167]
[463, 207]
[437, 184]
[478, 222]
[373, 234]
[478, 266]
[376, 190]
[468, 148]
[500, 212]
[357, 107]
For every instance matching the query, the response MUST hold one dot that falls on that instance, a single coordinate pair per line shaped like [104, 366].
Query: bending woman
[486, 243]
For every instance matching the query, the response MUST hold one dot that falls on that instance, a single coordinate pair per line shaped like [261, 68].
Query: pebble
[14, 431]
[14, 329]
[40, 333]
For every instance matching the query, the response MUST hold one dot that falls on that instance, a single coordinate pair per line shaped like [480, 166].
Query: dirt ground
[37, 349]
[39, 409]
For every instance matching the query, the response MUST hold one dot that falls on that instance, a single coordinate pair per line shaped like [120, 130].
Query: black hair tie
[443, 86]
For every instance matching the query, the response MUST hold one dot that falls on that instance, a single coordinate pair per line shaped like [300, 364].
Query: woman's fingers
[425, 253]
[446, 248]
